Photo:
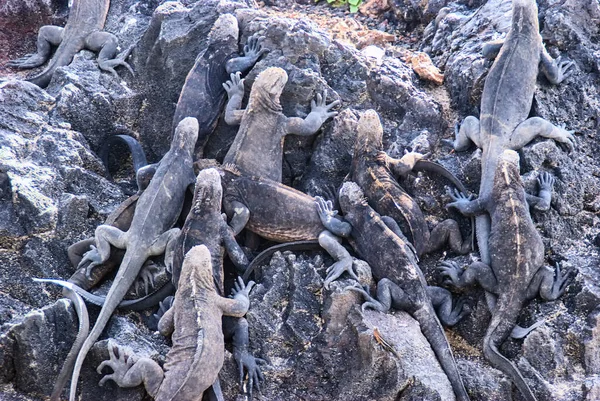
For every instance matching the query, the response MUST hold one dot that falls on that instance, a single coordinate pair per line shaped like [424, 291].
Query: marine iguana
[390, 257]
[516, 273]
[258, 146]
[506, 102]
[205, 225]
[196, 357]
[202, 95]
[373, 170]
[157, 210]
[82, 31]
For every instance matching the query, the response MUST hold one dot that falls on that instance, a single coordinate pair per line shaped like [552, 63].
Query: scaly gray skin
[391, 258]
[258, 146]
[202, 95]
[205, 225]
[506, 101]
[516, 273]
[157, 210]
[194, 323]
[288, 215]
[373, 170]
[82, 31]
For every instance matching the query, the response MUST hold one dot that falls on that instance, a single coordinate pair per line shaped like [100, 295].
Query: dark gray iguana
[196, 357]
[258, 146]
[373, 170]
[157, 210]
[516, 273]
[202, 95]
[82, 31]
[205, 225]
[506, 102]
[392, 260]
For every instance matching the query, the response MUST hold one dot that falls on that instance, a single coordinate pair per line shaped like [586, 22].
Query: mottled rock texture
[320, 346]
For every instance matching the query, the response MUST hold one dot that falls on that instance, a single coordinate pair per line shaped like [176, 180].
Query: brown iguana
[202, 95]
[516, 273]
[258, 146]
[157, 210]
[194, 323]
[372, 170]
[82, 31]
[506, 102]
[392, 261]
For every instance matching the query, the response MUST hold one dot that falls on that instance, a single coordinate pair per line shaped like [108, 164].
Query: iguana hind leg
[334, 248]
[48, 36]
[106, 45]
[542, 201]
[551, 284]
[129, 371]
[468, 132]
[475, 273]
[533, 127]
[105, 237]
[448, 232]
[441, 299]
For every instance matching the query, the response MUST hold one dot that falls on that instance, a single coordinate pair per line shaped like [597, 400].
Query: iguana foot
[562, 279]
[120, 362]
[146, 278]
[459, 311]
[246, 361]
[370, 303]
[28, 61]
[563, 70]
[92, 256]
[451, 272]
[545, 181]
[253, 48]
[337, 269]
[235, 86]
[109, 65]
[163, 307]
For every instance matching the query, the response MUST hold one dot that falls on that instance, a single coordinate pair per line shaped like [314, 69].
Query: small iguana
[506, 102]
[82, 31]
[194, 323]
[157, 210]
[258, 146]
[516, 273]
[392, 260]
[373, 170]
[202, 95]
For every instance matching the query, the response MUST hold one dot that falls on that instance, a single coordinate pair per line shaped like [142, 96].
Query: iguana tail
[137, 153]
[84, 328]
[63, 56]
[434, 332]
[503, 322]
[128, 272]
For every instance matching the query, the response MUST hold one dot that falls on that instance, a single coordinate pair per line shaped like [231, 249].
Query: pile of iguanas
[382, 223]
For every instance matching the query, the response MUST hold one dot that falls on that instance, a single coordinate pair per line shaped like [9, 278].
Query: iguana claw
[546, 181]
[337, 269]
[562, 279]
[451, 271]
[252, 365]
[28, 61]
[371, 302]
[120, 362]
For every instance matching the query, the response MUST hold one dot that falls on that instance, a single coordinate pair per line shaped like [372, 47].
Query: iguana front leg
[542, 201]
[533, 127]
[469, 132]
[320, 112]
[252, 52]
[464, 204]
[235, 93]
[128, 371]
[234, 250]
[48, 36]
[106, 45]
[441, 299]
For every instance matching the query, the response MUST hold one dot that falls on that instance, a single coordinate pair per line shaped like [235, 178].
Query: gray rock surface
[319, 345]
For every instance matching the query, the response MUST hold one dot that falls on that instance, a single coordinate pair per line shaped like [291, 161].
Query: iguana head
[186, 134]
[508, 175]
[208, 193]
[369, 133]
[197, 268]
[224, 30]
[351, 196]
[267, 89]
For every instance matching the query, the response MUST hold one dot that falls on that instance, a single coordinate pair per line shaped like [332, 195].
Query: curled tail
[84, 328]
[130, 267]
[137, 153]
[500, 328]
[433, 331]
